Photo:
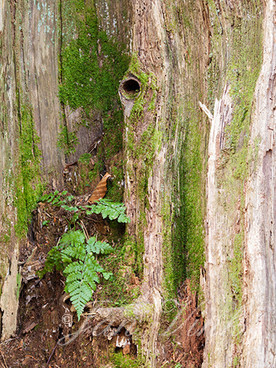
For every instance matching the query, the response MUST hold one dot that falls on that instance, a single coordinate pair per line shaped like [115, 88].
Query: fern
[109, 209]
[73, 238]
[70, 208]
[57, 198]
[76, 258]
[98, 247]
[53, 261]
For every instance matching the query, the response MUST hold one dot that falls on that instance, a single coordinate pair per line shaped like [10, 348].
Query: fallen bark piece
[30, 327]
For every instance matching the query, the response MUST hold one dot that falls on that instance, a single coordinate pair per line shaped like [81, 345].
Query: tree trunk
[196, 80]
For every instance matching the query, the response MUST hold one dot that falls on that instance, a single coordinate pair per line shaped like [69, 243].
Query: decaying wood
[128, 317]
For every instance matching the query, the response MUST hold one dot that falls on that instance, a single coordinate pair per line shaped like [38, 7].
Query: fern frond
[81, 269]
[73, 267]
[92, 264]
[53, 261]
[92, 279]
[70, 208]
[98, 247]
[77, 252]
[80, 283]
[109, 209]
[107, 275]
[73, 277]
[80, 296]
[73, 238]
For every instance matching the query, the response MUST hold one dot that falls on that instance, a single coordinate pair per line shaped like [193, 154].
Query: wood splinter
[206, 110]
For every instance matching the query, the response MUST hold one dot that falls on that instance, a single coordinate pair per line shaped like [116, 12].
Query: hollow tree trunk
[201, 206]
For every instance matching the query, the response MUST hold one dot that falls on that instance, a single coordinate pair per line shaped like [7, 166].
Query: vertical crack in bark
[38, 102]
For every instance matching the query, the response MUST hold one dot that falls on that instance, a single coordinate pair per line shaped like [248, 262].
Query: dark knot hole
[131, 86]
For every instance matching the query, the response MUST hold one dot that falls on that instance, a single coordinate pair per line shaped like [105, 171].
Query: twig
[84, 230]
[52, 353]
[8, 340]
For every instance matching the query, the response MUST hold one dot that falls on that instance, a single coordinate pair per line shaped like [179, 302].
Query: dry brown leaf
[100, 190]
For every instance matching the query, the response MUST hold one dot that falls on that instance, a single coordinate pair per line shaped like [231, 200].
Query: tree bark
[198, 147]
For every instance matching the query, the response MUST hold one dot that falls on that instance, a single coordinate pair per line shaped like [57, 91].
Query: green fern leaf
[92, 264]
[123, 219]
[109, 209]
[107, 275]
[65, 259]
[73, 267]
[80, 293]
[53, 261]
[70, 208]
[70, 198]
[113, 214]
[92, 278]
[81, 269]
[98, 247]
[74, 252]
[81, 280]
[73, 277]
[73, 238]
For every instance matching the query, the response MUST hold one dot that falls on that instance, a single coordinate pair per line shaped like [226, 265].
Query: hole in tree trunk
[131, 86]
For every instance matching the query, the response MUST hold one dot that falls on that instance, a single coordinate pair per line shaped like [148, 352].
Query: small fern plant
[107, 208]
[75, 257]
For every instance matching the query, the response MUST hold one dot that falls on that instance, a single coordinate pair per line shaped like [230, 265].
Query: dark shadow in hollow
[131, 86]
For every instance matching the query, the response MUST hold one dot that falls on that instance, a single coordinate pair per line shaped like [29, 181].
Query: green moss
[135, 68]
[85, 158]
[5, 235]
[92, 63]
[88, 172]
[116, 185]
[28, 185]
[67, 141]
[124, 361]
[188, 235]
[140, 149]
[243, 71]
[171, 273]
[5, 238]
[119, 290]
[148, 85]
[18, 282]
[94, 173]
[91, 67]
[236, 362]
